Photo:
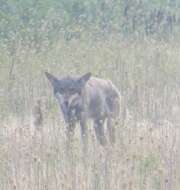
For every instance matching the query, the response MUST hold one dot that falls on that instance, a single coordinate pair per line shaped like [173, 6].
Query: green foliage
[32, 21]
[147, 164]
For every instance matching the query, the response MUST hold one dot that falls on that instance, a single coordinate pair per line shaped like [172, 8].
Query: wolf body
[86, 97]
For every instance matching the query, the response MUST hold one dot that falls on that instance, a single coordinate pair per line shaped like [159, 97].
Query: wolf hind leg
[84, 131]
[84, 135]
[111, 129]
[99, 131]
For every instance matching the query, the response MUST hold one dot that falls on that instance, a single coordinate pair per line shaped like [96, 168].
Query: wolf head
[68, 91]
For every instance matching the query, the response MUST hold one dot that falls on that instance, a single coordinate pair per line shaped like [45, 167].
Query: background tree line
[38, 20]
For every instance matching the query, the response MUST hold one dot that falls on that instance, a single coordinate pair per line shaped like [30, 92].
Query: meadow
[145, 156]
[133, 43]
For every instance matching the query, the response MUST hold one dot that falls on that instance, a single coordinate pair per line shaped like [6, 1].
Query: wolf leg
[84, 131]
[69, 141]
[84, 138]
[111, 130]
[70, 133]
[99, 130]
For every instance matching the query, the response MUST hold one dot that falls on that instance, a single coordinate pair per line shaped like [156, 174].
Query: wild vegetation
[133, 43]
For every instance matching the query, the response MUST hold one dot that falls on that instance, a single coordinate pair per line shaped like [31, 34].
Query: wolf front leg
[70, 131]
[69, 143]
[99, 130]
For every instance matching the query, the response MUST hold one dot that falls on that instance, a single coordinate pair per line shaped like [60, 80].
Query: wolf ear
[83, 79]
[53, 80]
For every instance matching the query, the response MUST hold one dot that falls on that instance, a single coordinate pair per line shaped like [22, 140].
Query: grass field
[146, 154]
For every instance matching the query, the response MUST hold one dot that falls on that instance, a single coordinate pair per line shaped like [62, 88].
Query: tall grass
[133, 43]
[145, 71]
[146, 154]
